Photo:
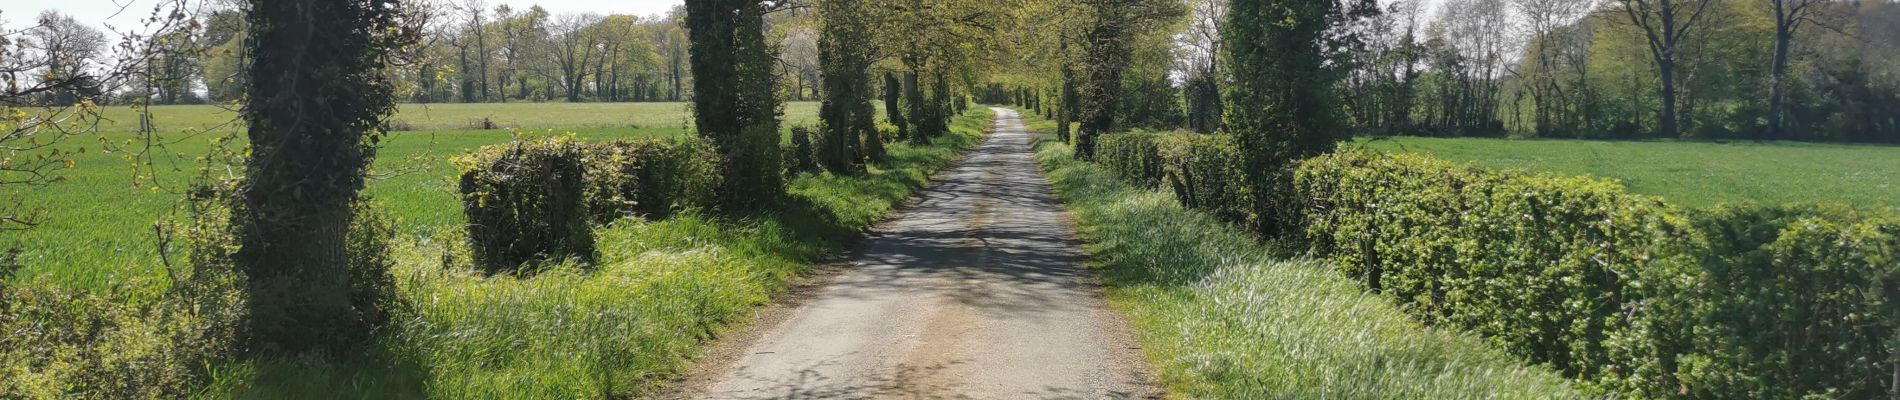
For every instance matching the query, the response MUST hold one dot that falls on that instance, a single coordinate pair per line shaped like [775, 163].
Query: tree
[1790, 15]
[1664, 24]
[1280, 105]
[576, 47]
[1200, 62]
[844, 58]
[734, 106]
[318, 102]
[69, 48]
[1106, 56]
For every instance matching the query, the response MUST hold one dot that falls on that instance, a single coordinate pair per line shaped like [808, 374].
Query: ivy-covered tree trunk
[1065, 113]
[1280, 108]
[844, 59]
[734, 103]
[893, 92]
[317, 103]
[915, 105]
[1107, 55]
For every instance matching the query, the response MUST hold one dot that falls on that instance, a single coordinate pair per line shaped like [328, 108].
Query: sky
[124, 15]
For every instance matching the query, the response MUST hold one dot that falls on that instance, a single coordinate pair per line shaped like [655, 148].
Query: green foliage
[1225, 317]
[845, 54]
[1790, 302]
[735, 106]
[317, 101]
[1537, 264]
[526, 203]
[1631, 294]
[1280, 104]
[648, 178]
[1134, 156]
[1201, 170]
[1204, 172]
[798, 154]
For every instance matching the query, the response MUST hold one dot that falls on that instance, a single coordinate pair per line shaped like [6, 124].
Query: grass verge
[660, 291]
[1223, 316]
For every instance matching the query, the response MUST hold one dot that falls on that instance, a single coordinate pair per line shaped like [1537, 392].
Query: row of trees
[1697, 69]
[1757, 69]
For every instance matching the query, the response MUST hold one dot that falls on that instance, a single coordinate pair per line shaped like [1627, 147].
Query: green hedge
[1633, 295]
[648, 178]
[1133, 156]
[1789, 302]
[1639, 297]
[1204, 173]
[525, 203]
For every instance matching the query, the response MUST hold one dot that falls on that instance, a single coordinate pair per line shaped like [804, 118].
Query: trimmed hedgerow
[1537, 264]
[1631, 294]
[525, 203]
[648, 178]
[1204, 173]
[1134, 156]
[1789, 302]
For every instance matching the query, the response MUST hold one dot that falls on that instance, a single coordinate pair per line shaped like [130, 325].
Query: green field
[97, 230]
[1694, 174]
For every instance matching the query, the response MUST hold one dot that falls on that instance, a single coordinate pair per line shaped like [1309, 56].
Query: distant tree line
[1808, 70]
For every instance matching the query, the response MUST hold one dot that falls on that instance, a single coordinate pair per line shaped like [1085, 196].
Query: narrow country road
[975, 292]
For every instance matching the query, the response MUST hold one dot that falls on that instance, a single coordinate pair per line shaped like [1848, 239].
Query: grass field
[618, 329]
[452, 117]
[1695, 174]
[97, 231]
[1223, 316]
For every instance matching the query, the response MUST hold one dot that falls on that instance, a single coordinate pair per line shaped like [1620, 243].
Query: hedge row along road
[976, 291]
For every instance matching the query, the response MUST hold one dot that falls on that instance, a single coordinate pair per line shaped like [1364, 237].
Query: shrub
[1204, 173]
[524, 202]
[798, 157]
[648, 178]
[1788, 302]
[1133, 156]
[1639, 297]
[1537, 264]
[64, 343]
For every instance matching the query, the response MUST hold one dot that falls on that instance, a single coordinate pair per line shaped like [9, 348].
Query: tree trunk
[305, 168]
[893, 90]
[735, 104]
[1669, 124]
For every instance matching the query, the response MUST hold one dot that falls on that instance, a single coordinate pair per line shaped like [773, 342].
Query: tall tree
[893, 93]
[69, 48]
[317, 107]
[844, 58]
[1790, 15]
[1106, 56]
[734, 104]
[1280, 105]
[1664, 25]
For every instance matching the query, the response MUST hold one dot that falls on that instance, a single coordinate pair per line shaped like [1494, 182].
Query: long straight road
[975, 292]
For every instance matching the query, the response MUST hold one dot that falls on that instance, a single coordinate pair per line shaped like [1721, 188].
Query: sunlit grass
[1224, 316]
[97, 227]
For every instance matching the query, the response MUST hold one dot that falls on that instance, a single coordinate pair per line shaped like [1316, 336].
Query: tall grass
[658, 292]
[1223, 316]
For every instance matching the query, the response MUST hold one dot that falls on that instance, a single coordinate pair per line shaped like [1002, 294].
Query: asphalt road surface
[977, 291]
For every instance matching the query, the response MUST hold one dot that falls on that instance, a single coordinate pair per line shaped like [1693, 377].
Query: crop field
[97, 230]
[1694, 174]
